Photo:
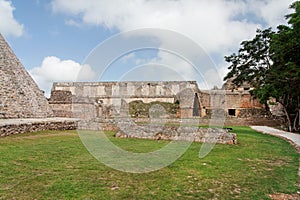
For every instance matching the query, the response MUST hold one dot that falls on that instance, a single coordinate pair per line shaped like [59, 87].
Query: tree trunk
[299, 118]
[290, 124]
[267, 108]
[295, 122]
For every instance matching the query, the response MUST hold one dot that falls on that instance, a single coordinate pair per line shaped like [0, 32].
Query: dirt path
[295, 138]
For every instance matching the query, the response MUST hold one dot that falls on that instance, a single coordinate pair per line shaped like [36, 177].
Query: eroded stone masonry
[107, 99]
[20, 97]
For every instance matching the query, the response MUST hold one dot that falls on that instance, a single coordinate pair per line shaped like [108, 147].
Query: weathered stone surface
[61, 97]
[17, 126]
[126, 128]
[154, 132]
[20, 97]
[105, 99]
[240, 102]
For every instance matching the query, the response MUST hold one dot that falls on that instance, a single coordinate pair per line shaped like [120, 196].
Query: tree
[271, 64]
[252, 65]
[286, 57]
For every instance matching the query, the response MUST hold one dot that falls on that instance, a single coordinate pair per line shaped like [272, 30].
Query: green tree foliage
[270, 63]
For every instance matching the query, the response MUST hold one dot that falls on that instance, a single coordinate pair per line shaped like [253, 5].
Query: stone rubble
[126, 128]
[194, 134]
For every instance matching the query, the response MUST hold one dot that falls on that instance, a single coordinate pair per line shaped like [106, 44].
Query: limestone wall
[134, 89]
[98, 99]
[61, 103]
[18, 126]
[195, 134]
[189, 132]
[234, 103]
[20, 97]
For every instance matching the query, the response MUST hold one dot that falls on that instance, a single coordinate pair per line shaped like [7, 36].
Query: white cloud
[207, 22]
[54, 69]
[127, 57]
[166, 66]
[8, 24]
[71, 22]
[214, 24]
[271, 11]
[218, 26]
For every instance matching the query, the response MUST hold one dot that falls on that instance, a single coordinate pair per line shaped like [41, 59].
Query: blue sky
[54, 38]
[46, 34]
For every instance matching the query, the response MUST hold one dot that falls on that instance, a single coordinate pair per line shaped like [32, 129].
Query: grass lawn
[55, 165]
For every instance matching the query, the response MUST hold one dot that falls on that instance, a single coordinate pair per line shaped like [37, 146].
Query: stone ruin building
[98, 99]
[102, 99]
[20, 97]
[24, 108]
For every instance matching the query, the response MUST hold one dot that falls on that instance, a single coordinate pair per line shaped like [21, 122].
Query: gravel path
[272, 131]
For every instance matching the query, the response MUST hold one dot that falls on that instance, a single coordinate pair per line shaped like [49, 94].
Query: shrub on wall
[139, 109]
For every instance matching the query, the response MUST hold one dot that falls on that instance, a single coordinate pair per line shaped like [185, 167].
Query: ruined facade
[106, 99]
[236, 103]
[20, 97]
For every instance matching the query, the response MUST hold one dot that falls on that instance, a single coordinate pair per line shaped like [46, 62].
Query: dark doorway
[231, 112]
[196, 106]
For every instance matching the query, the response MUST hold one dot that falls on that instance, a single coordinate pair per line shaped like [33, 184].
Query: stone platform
[188, 130]
[24, 125]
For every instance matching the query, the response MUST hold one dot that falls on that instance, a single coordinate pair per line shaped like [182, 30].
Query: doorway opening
[231, 112]
[196, 106]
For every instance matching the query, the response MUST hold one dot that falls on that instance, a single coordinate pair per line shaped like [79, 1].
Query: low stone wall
[228, 121]
[194, 134]
[17, 126]
[187, 132]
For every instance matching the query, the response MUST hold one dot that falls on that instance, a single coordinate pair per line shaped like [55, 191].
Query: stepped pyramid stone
[20, 97]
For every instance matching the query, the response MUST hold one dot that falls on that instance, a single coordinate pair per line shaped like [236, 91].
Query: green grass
[55, 165]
